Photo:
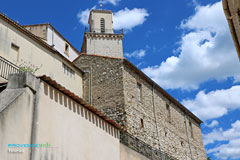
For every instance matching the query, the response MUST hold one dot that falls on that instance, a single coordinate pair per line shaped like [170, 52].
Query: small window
[139, 92]
[68, 71]
[142, 123]
[102, 25]
[15, 51]
[191, 129]
[66, 51]
[14, 46]
[168, 115]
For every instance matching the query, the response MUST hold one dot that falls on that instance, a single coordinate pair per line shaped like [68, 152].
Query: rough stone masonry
[110, 84]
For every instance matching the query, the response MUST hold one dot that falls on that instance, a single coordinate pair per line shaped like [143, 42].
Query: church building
[91, 104]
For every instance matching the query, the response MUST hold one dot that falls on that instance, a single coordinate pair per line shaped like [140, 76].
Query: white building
[52, 37]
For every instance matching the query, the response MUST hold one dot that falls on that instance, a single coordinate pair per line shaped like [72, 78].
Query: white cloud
[113, 2]
[231, 139]
[206, 52]
[128, 19]
[214, 104]
[136, 54]
[125, 19]
[214, 123]
[84, 15]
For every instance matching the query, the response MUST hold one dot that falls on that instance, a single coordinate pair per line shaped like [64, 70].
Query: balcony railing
[143, 148]
[105, 31]
[7, 68]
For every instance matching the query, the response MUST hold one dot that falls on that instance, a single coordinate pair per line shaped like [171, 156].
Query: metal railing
[143, 148]
[7, 68]
[113, 31]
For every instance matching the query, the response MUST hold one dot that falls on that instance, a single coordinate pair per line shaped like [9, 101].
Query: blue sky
[185, 46]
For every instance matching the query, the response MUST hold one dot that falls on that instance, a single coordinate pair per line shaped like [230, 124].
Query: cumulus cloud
[136, 54]
[206, 52]
[212, 124]
[230, 138]
[113, 2]
[84, 15]
[125, 19]
[129, 18]
[214, 104]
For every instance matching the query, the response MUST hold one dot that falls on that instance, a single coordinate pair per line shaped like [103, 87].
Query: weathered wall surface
[38, 30]
[169, 135]
[105, 45]
[72, 131]
[171, 132]
[129, 154]
[33, 53]
[33, 115]
[95, 21]
[15, 122]
[106, 85]
[53, 38]
[49, 35]
[231, 9]
[136, 110]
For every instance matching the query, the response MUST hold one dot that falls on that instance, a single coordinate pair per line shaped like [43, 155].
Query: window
[139, 92]
[102, 25]
[15, 47]
[168, 115]
[191, 129]
[142, 124]
[68, 71]
[66, 51]
[15, 51]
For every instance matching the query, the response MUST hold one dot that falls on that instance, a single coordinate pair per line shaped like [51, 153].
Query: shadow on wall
[73, 106]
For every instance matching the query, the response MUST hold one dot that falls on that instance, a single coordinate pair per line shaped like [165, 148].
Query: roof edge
[49, 24]
[165, 93]
[34, 38]
[89, 107]
[149, 80]
[229, 18]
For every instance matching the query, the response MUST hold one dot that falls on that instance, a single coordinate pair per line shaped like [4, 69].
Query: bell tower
[100, 38]
[101, 21]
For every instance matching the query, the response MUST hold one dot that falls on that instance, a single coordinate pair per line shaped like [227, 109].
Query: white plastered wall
[33, 53]
[71, 130]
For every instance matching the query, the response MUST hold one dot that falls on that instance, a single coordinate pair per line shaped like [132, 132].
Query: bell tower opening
[102, 23]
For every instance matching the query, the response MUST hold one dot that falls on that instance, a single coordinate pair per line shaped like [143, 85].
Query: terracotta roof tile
[80, 100]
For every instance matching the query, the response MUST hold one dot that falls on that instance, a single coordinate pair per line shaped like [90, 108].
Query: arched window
[102, 24]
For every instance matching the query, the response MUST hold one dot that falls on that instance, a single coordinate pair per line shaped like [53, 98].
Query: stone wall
[114, 91]
[139, 110]
[106, 85]
[171, 133]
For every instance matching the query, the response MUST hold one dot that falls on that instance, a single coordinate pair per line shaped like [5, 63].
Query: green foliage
[28, 67]
[209, 158]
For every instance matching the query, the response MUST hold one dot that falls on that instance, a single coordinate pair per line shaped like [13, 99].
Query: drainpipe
[35, 121]
[188, 135]
[155, 119]
[89, 85]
